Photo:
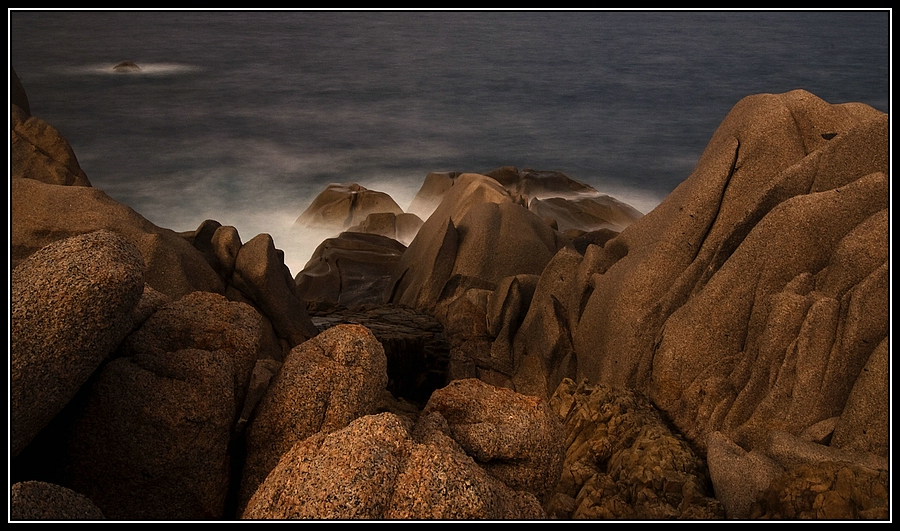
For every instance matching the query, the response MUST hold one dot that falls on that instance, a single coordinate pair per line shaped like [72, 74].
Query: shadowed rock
[826, 491]
[39, 152]
[126, 67]
[71, 305]
[152, 441]
[37, 500]
[352, 269]
[381, 467]
[260, 273]
[400, 227]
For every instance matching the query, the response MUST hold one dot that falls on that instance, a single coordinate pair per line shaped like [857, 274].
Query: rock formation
[738, 302]
[734, 342]
[324, 384]
[461, 460]
[341, 206]
[352, 269]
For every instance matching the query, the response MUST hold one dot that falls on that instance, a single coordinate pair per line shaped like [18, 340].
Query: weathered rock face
[152, 441]
[324, 384]
[382, 467]
[588, 213]
[352, 269]
[826, 491]
[737, 304]
[37, 500]
[44, 213]
[39, 152]
[341, 206]
[623, 463]
[209, 322]
[71, 305]
[515, 438]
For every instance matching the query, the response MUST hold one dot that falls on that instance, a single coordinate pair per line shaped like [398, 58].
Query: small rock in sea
[127, 67]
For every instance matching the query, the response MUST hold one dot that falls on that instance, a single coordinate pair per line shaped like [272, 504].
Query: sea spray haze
[244, 116]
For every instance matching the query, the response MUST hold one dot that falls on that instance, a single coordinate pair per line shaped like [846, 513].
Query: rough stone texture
[39, 152]
[324, 384]
[209, 322]
[352, 269]
[738, 303]
[260, 273]
[341, 206]
[738, 477]
[826, 491]
[71, 305]
[37, 500]
[515, 438]
[622, 462]
[374, 469]
[43, 213]
[342, 475]
[864, 425]
[151, 442]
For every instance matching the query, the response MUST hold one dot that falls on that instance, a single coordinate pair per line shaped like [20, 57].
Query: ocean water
[245, 116]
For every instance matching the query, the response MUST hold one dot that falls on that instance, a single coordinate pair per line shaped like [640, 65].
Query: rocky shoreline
[515, 346]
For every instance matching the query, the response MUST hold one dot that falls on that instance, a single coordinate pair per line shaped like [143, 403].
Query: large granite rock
[752, 298]
[71, 305]
[152, 437]
[39, 152]
[324, 384]
[152, 440]
[476, 232]
[515, 438]
[467, 466]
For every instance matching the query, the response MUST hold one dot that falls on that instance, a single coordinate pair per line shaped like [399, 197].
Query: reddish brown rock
[39, 152]
[151, 442]
[71, 305]
[324, 384]
[37, 500]
[515, 438]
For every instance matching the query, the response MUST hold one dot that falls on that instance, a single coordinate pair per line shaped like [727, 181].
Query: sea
[244, 116]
